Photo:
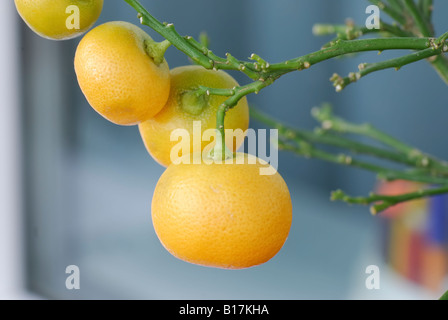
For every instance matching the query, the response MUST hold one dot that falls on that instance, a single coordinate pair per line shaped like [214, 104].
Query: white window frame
[12, 267]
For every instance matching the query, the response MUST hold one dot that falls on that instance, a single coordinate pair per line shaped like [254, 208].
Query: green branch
[444, 296]
[383, 202]
[304, 143]
[331, 122]
[390, 11]
[420, 22]
[197, 52]
[343, 47]
[425, 7]
[264, 74]
[396, 5]
[307, 150]
[366, 68]
[350, 31]
[322, 137]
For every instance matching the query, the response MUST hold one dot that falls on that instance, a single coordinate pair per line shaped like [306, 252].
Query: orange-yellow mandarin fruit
[184, 108]
[117, 74]
[59, 19]
[223, 215]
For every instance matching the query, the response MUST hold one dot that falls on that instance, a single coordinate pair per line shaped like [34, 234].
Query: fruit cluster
[220, 214]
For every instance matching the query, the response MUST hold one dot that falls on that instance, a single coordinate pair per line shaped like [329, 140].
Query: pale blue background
[90, 183]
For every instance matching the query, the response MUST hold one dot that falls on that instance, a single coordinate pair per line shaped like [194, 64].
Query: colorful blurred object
[415, 236]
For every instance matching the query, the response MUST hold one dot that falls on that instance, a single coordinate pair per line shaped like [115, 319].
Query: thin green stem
[325, 138]
[395, 30]
[383, 202]
[440, 64]
[441, 40]
[396, 5]
[235, 95]
[228, 63]
[331, 122]
[185, 44]
[351, 32]
[203, 90]
[305, 145]
[444, 296]
[389, 10]
[418, 19]
[308, 151]
[343, 47]
[425, 7]
[396, 63]
[169, 33]
[264, 74]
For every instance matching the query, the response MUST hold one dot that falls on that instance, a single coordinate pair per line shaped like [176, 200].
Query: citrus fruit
[59, 19]
[117, 74]
[224, 215]
[184, 108]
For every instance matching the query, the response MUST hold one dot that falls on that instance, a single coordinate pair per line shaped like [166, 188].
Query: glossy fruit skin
[48, 18]
[156, 132]
[118, 77]
[222, 215]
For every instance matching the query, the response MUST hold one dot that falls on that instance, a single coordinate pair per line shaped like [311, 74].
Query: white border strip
[11, 223]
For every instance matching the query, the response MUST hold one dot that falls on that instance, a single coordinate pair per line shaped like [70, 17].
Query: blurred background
[76, 189]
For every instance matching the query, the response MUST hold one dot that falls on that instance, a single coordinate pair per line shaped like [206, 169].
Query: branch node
[327, 125]
[425, 162]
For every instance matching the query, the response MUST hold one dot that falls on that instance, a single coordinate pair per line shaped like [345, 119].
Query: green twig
[425, 7]
[426, 168]
[325, 138]
[396, 5]
[350, 31]
[331, 122]
[237, 94]
[264, 73]
[307, 150]
[396, 63]
[343, 47]
[304, 144]
[418, 19]
[389, 10]
[383, 202]
[444, 296]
